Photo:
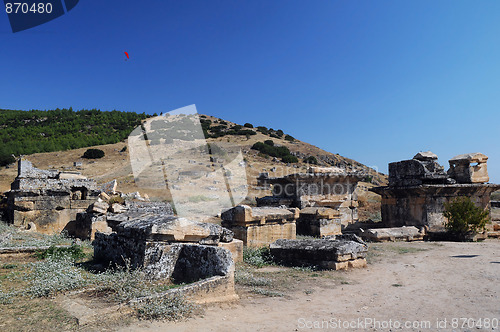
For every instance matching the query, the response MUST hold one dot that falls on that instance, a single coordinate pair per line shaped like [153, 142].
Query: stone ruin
[174, 248]
[48, 200]
[327, 197]
[418, 189]
[259, 226]
[335, 252]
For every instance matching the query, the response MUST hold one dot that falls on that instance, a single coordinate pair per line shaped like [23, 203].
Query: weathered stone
[463, 172]
[48, 199]
[418, 190]
[324, 253]
[71, 176]
[320, 187]
[109, 187]
[235, 247]
[425, 156]
[404, 233]
[117, 208]
[260, 226]
[100, 207]
[105, 197]
[319, 221]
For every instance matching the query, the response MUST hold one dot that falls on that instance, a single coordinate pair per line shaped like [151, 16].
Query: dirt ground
[431, 286]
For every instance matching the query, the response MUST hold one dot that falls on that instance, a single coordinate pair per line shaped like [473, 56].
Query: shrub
[289, 138]
[248, 125]
[464, 217]
[6, 159]
[93, 154]
[279, 133]
[269, 142]
[53, 275]
[257, 256]
[289, 159]
[311, 160]
[263, 130]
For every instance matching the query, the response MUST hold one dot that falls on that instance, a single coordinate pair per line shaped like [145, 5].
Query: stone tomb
[259, 226]
[319, 221]
[174, 248]
[335, 253]
[418, 189]
[48, 199]
[332, 187]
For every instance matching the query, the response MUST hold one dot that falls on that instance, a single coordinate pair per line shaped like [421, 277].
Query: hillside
[28, 132]
[116, 162]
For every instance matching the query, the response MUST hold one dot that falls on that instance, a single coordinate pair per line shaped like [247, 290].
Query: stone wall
[48, 199]
[418, 189]
[332, 188]
[260, 226]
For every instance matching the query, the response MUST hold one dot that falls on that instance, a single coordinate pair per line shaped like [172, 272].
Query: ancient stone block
[404, 233]
[323, 253]
[71, 176]
[109, 187]
[24, 206]
[463, 172]
[319, 221]
[235, 247]
[260, 226]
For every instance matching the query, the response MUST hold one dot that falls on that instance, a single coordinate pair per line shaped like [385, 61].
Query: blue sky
[376, 81]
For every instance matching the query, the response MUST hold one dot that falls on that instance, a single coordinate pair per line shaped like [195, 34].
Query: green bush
[257, 256]
[93, 154]
[269, 142]
[248, 125]
[289, 138]
[289, 159]
[311, 160]
[464, 217]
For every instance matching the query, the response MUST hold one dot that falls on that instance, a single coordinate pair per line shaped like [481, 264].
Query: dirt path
[406, 282]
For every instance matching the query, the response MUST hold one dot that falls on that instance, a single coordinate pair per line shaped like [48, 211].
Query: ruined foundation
[319, 221]
[177, 249]
[260, 226]
[320, 187]
[335, 253]
[48, 200]
[418, 189]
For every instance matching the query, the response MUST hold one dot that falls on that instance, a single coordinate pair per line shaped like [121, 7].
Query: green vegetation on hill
[268, 148]
[28, 132]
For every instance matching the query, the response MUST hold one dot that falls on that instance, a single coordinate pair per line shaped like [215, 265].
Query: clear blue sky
[376, 81]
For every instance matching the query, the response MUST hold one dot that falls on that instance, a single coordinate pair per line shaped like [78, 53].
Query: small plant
[116, 199]
[248, 125]
[257, 256]
[267, 292]
[289, 138]
[289, 159]
[170, 308]
[93, 154]
[464, 217]
[74, 252]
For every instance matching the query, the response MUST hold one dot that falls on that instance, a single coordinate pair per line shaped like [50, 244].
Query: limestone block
[81, 204]
[53, 203]
[71, 176]
[105, 197]
[405, 233]
[236, 249]
[100, 207]
[117, 208]
[357, 263]
[24, 206]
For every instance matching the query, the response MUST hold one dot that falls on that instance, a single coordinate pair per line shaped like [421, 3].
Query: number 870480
[25, 8]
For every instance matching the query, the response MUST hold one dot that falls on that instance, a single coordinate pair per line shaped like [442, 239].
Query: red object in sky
[127, 55]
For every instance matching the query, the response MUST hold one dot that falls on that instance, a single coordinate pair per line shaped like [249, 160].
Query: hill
[264, 150]
[28, 132]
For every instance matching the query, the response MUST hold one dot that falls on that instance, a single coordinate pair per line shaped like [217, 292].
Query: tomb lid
[475, 157]
[425, 156]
